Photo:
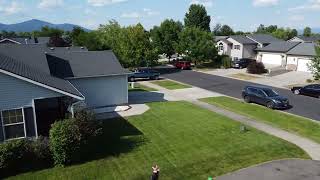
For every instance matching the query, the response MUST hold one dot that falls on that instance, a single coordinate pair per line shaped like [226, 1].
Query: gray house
[25, 40]
[290, 55]
[243, 46]
[304, 39]
[40, 85]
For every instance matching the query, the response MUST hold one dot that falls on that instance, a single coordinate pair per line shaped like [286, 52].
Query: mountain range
[34, 25]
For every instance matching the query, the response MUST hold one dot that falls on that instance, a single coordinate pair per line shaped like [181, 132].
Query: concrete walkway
[289, 169]
[310, 147]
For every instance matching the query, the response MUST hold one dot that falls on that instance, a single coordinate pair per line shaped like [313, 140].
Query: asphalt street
[302, 105]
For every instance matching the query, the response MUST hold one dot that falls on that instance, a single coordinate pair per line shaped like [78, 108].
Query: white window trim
[5, 125]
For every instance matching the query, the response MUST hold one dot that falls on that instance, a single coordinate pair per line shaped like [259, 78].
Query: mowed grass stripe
[299, 125]
[188, 142]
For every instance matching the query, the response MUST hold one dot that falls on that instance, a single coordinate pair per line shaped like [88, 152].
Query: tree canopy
[196, 44]
[223, 30]
[307, 32]
[197, 16]
[166, 36]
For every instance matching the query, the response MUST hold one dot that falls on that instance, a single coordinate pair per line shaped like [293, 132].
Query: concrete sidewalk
[310, 147]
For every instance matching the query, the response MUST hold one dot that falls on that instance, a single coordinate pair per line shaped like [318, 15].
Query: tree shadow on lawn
[118, 136]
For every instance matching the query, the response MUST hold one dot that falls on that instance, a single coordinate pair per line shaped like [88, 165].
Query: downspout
[72, 108]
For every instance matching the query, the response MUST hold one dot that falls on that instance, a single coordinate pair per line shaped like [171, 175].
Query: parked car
[241, 63]
[265, 96]
[144, 73]
[309, 90]
[183, 65]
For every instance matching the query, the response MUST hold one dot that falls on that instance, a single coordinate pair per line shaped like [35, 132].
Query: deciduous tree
[197, 17]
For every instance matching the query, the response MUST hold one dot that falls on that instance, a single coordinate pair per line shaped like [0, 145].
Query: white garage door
[303, 64]
[274, 59]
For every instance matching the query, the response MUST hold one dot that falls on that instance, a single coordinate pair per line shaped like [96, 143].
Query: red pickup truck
[183, 65]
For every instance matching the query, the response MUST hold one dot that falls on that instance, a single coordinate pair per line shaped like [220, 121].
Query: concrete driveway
[292, 169]
[283, 80]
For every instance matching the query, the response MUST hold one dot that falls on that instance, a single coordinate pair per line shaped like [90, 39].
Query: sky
[243, 15]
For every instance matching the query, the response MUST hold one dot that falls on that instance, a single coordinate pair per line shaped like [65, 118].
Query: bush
[256, 68]
[20, 155]
[226, 62]
[65, 140]
[12, 154]
[70, 137]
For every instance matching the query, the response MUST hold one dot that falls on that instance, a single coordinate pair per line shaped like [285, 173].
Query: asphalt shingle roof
[17, 67]
[84, 64]
[309, 39]
[218, 38]
[305, 49]
[283, 47]
[29, 40]
[242, 39]
[263, 38]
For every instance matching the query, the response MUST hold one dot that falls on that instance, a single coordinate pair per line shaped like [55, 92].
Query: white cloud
[265, 3]
[310, 5]
[296, 18]
[46, 4]
[144, 13]
[131, 15]
[99, 3]
[206, 3]
[12, 8]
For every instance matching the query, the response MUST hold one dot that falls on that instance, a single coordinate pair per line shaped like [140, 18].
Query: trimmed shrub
[12, 154]
[70, 138]
[22, 155]
[256, 68]
[65, 140]
[226, 62]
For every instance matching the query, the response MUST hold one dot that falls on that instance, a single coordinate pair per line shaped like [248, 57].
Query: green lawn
[187, 142]
[140, 87]
[298, 125]
[171, 85]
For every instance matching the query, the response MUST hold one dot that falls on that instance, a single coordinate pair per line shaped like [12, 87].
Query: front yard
[291, 123]
[187, 142]
[171, 85]
[139, 87]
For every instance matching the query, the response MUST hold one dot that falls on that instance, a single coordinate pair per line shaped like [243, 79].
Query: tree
[166, 36]
[196, 44]
[315, 65]
[293, 33]
[284, 34]
[89, 40]
[262, 29]
[307, 32]
[197, 17]
[135, 48]
[76, 31]
[224, 30]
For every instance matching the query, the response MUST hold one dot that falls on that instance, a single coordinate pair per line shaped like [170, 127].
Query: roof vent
[52, 48]
[26, 40]
[82, 47]
[68, 48]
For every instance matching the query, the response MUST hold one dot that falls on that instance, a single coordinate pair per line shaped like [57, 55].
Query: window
[270, 92]
[13, 124]
[236, 47]
[220, 47]
[235, 58]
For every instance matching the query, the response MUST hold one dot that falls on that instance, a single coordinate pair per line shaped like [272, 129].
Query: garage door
[274, 59]
[303, 65]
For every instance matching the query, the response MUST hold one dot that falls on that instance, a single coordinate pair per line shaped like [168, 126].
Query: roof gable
[303, 49]
[24, 72]
[84, 64]
[283, 47]
[263, 38]
[242, 39]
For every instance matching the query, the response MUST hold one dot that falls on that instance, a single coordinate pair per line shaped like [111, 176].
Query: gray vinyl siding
[29, 120]
[103, 91]
[1, 131]
[248, 51]
[15, 93]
